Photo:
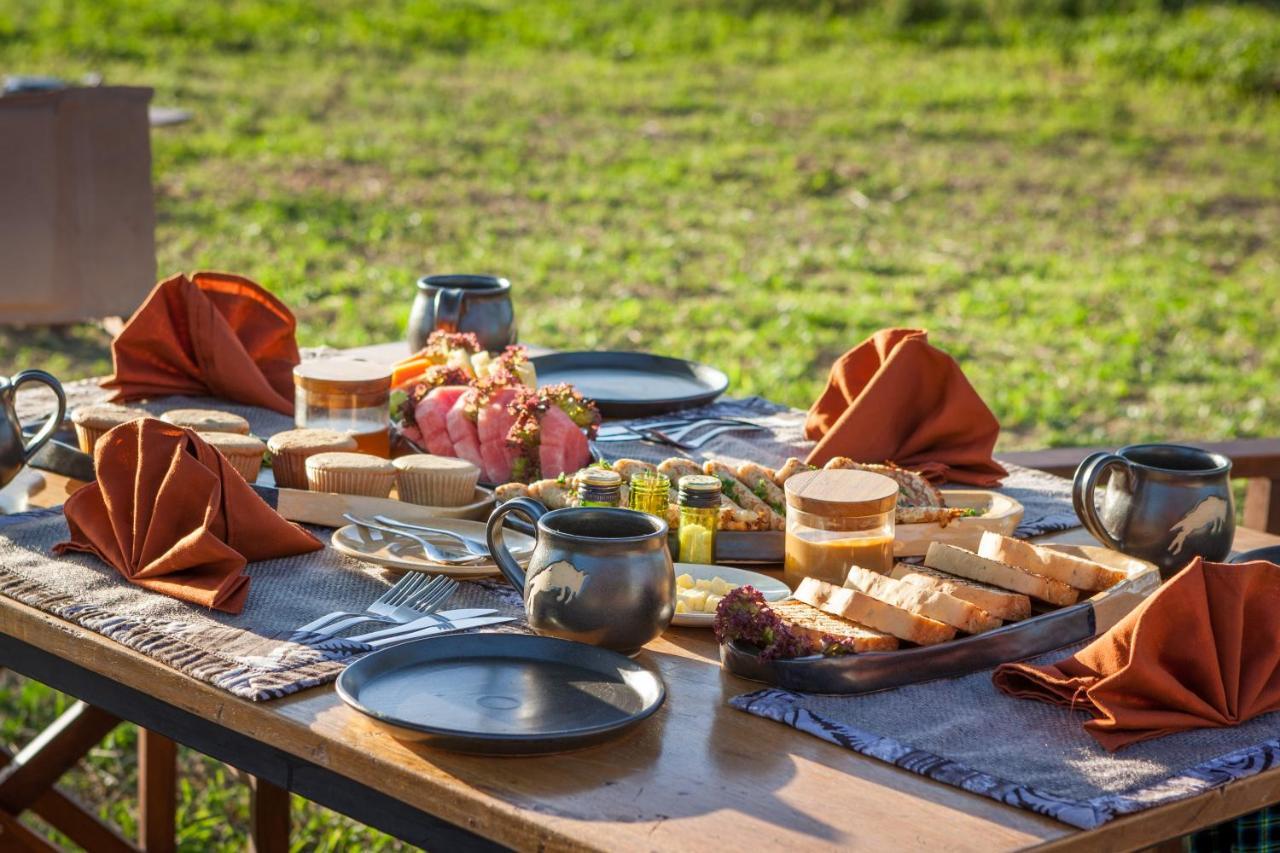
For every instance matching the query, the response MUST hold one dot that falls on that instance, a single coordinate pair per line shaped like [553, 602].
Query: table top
[697, 772]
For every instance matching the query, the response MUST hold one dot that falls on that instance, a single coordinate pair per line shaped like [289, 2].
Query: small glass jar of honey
[346, 395]
[837, 519]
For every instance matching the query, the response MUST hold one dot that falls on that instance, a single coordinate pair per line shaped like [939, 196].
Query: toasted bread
[859, 607]
[966, 564]
[1073, 571]
[1010, 606]
[929, 603]
[826, 628]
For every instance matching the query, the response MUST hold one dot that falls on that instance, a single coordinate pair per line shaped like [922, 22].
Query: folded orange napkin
[171, 515]
[213, 334]
[1202, 652]
[894, 397]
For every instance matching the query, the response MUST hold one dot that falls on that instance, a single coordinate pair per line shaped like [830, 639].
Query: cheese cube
[685, 581]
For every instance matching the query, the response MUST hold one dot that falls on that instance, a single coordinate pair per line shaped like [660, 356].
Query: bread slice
[966, 564]
[1009, 606]
[1073, 571]
[859, 607]
[824, 627]
[929, 603]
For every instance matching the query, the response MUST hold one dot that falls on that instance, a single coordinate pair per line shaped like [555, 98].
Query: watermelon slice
[462, 432]
[563, 448]
[431, 413]
[493, 424]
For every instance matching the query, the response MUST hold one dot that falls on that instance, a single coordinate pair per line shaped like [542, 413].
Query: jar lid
[841, 492]
[600, 478]
[700, 483]
[342, 376]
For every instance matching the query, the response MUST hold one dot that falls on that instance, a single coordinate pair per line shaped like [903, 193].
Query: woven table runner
[255, 655]
[1031, 755]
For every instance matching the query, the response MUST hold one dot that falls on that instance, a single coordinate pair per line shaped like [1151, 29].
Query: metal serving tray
[872, 671]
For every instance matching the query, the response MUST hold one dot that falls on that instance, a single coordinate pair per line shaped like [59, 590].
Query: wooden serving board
[1002, 515]
[326, 509]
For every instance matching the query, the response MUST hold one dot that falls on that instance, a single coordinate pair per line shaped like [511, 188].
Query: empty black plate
[501, 694]
[633, 384]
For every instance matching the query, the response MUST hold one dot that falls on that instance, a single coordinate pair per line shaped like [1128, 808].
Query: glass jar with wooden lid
[346, 395]
[837, 519]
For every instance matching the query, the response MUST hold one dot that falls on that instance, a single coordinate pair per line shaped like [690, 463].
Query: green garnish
[728, 488]
[763, 494]
[562, 479]
[972, 511]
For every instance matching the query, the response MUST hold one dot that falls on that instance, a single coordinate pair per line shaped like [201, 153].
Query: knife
[448, 617]
[64, 459]
[435, 630]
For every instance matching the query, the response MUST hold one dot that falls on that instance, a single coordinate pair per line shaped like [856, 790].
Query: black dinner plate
[501, 694]
[633, 384]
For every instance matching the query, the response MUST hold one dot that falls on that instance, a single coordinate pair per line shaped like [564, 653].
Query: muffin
[207, 420]
[351, 474]
[435, 480]
[290, 449]
[91, 422]
[244, 452]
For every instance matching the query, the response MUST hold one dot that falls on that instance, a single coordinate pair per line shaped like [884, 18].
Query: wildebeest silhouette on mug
[1209, 515]
[560, 578]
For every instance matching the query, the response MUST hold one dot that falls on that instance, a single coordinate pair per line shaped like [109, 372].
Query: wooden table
[696, 775]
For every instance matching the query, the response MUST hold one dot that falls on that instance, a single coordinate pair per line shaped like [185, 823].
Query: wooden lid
[841, 492]
[342, 376]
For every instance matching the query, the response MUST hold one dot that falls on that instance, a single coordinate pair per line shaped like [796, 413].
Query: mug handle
[448, 308]
[531, 510]
[51, 425]
[1082, 488]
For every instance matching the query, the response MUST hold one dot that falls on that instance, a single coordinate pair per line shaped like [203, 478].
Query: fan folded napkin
[170, 514]
[896, 398]
[1203, 652]
[213, 334]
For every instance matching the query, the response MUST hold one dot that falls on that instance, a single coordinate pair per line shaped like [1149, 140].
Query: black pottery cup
[1164, 503]
[597, 575]
[14, 450]
[479, 304]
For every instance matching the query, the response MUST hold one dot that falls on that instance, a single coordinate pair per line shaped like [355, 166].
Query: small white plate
[401, 552]
[771, 589]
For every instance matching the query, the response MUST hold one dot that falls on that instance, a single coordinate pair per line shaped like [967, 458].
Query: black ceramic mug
[14, 450]
[479, 304]
[1164, 503]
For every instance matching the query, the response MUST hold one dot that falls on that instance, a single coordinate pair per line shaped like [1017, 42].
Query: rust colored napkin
[1203, 652]
[213, 334]
[895, 397]
[172, 515]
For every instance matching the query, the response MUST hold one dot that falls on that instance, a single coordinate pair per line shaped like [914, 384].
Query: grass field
[1079, 198]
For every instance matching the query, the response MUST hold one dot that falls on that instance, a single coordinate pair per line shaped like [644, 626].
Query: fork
[473, 546]
[409, 589]
[433, 553]
[432, 602]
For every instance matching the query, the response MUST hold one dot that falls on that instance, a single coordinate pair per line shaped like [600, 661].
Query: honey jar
[348, 396]
[837, 519]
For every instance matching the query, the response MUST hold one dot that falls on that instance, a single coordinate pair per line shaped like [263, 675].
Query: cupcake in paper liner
[435, 480]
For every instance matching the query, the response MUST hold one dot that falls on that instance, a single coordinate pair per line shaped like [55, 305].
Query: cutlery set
[412, 606]
[675, 432]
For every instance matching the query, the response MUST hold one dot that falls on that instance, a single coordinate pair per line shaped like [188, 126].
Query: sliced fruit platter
[959, 612]
[454, 399]
[753, 505]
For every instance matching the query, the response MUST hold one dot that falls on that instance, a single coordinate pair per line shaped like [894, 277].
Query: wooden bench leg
[67, 738]
[268, 817]
[53, 752]
[1262, 505]
[157, 791]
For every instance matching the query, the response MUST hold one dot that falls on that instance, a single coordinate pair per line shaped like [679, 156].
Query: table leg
[268, 816]
[157, 791]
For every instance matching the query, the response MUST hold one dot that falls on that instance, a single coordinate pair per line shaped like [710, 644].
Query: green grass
[1079, 198]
